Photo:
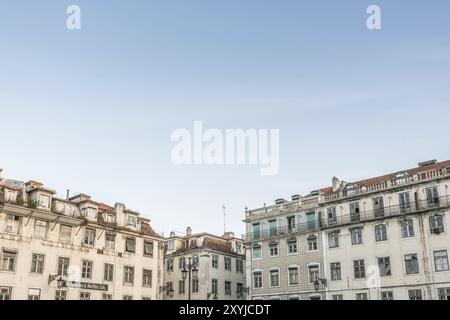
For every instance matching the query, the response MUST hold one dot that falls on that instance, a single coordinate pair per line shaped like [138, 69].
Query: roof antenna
[224, 215]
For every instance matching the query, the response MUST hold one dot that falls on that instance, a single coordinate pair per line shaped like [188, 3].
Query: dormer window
[132, 221]
[91, 213]
[10, 196]
[400, 177]
[110, 218]
[171, 244]
[44, 201]
[351, 189]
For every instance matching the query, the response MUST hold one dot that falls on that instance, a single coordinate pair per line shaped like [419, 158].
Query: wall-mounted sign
[86, 285]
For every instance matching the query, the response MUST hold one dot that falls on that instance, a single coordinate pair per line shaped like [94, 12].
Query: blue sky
[93, 110]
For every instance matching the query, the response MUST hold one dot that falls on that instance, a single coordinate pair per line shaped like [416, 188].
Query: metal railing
[325, 222]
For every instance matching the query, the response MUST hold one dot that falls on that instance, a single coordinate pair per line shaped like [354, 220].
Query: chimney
[119, 209]
[228, 235]
[188, 232]
[335, 183]
[67, 194]
[172, 234]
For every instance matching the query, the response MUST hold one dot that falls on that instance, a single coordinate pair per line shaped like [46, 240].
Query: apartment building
[381, 238]
[388, 237]
[284, 260]
[74, 248]
[204, 267]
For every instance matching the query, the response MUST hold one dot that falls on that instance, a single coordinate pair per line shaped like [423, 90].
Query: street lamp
[59, 281]
[318, 282]
[190, 270]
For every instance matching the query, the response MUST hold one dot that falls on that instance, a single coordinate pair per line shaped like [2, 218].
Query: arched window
[436, 224]
[381, 232]
[181, 263]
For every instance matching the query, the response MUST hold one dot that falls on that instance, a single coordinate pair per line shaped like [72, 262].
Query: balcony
[386, 212]
[271, 233]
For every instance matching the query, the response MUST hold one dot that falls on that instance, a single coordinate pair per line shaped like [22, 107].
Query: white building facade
[214, 267]
[74, 248]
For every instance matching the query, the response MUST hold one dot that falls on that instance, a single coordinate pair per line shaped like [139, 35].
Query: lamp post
[190, 270]
[59, 281]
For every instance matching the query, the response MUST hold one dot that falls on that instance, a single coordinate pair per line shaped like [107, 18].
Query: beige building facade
[74, 248]
[204, 267]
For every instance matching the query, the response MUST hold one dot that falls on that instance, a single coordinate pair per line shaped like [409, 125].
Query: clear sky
[92, 110]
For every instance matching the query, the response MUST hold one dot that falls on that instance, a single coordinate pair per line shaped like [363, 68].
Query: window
[335, 269]
[313, 273]
[181, 263]
[131, 221]
[239, 266]
[5, 293]
[44, 201]
[274, 276]
[110, 218]
[195, 285]
[65, 234]
[257, 279]
[359, 269]
[195, 260]
[85, 296]
[63, 266]
[404, 202]
[384, 265]
[228, 288]
[215, 261]
[169, 266]
[293, 275]
[60, 295]
[273, 249]
[292, 246]
[387, 295]
[171, 245]
[10, 196]
[9, 259]
[181, 287]
[411, 263]
[89, 237]
[86, 269]
[91, 213]
[290, 223]
[12, 224]
[333, 239]
[441, 260]
[107, 296]
[147, 278]
[432, 196]
[331, 214]
[37, 263]
[34, 294]
[108, 272]
[169, 287]
[214, 286]
[238, 246]
[415, 294]
[312, 243]
[272, 228]
[407, 227]
[444, 293]
[146, 298]
[40, 229]
[256, 231]
[436, 224]
[381, 232]
[361, 296]
[354, 211]
[130, 245]
[148, 248]
[311, 220]
[227, 261]
[128, 275]
[110, 241]
[239, 288]
[337, 297]
[127, 297]
[378, 207]
[256, 250]
[356, 235]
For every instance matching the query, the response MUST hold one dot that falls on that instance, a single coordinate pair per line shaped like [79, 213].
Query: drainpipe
[425, 255]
